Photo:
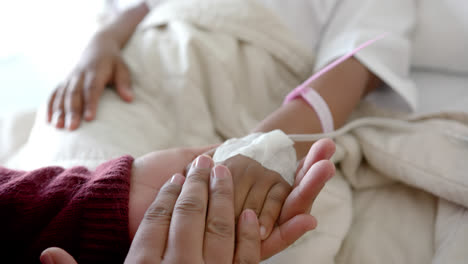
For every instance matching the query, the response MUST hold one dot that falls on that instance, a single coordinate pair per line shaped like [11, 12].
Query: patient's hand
[257, 188]
[77, 97]
[312, 174]
[252, 190]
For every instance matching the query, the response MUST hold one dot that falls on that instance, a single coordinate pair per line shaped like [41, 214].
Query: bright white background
[40, 42]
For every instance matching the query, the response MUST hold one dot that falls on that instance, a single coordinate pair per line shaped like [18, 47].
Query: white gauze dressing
[274, 150]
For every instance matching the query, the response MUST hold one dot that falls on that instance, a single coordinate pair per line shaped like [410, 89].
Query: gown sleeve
[357, 21]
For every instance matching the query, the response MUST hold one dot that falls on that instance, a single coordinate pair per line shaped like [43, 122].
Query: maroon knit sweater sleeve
[83, 212]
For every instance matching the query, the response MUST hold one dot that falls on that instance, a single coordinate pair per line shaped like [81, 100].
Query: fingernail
[330, 175]
[69, 122]
[55, 119]
[129, 92]
[178, 179]
[262, 232]
[220, 172]
[88, 114]
[59, 121]
[46, 258]
[203, 162]
[250, 216]
[312, 225]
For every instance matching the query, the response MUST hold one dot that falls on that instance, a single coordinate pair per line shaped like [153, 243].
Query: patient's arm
[101, 64]
[122, 27]
[342, 88]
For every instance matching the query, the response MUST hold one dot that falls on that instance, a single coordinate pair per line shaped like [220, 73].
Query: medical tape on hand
[274, 150]
[314, 99]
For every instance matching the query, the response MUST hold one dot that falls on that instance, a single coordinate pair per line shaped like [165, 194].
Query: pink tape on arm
[314, 99]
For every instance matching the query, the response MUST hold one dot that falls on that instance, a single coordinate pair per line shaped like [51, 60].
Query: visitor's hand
[191, 221]
[149, 174]
[77, 97]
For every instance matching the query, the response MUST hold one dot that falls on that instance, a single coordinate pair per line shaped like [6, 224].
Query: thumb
[55, 255]
[320, 150]
[286, 234]
[122, 81]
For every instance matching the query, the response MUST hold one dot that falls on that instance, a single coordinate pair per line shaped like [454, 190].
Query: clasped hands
[192, 219]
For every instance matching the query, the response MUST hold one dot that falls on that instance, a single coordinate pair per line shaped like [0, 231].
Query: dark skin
[195, 215]
[77, 97]
[101, 64]
[342, 88]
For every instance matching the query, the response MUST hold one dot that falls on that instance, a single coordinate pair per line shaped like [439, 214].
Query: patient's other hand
[77, 97]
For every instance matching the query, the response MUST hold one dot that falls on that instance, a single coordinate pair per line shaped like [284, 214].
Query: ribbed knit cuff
[104, 235]
[89, 213]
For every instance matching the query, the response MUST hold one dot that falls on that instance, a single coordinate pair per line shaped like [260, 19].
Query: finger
[248, 239]
[246, 176]
[58, 118]
[302, 197]
[195, 152]
[256, 196]
[188, 220]
[50, 105]
[74, 104]
[93, 86]
[211, 152]
[300, 165]
[122, 81]
[55, 255]
[178, 157]
[149, 242]
[286, 234]
[320, 150]
[220, 225]
[272, 208]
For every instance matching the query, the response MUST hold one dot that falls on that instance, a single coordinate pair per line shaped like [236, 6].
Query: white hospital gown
[424, 64]
[332, 28]
[337, 27]
[426, 38]
[423, 35]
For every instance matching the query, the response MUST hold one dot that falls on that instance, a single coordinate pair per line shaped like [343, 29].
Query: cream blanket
[205, 71]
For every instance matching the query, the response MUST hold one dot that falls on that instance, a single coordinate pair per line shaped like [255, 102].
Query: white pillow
[441, 37]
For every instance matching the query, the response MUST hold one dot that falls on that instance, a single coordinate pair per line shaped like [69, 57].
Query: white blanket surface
[206, 71]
